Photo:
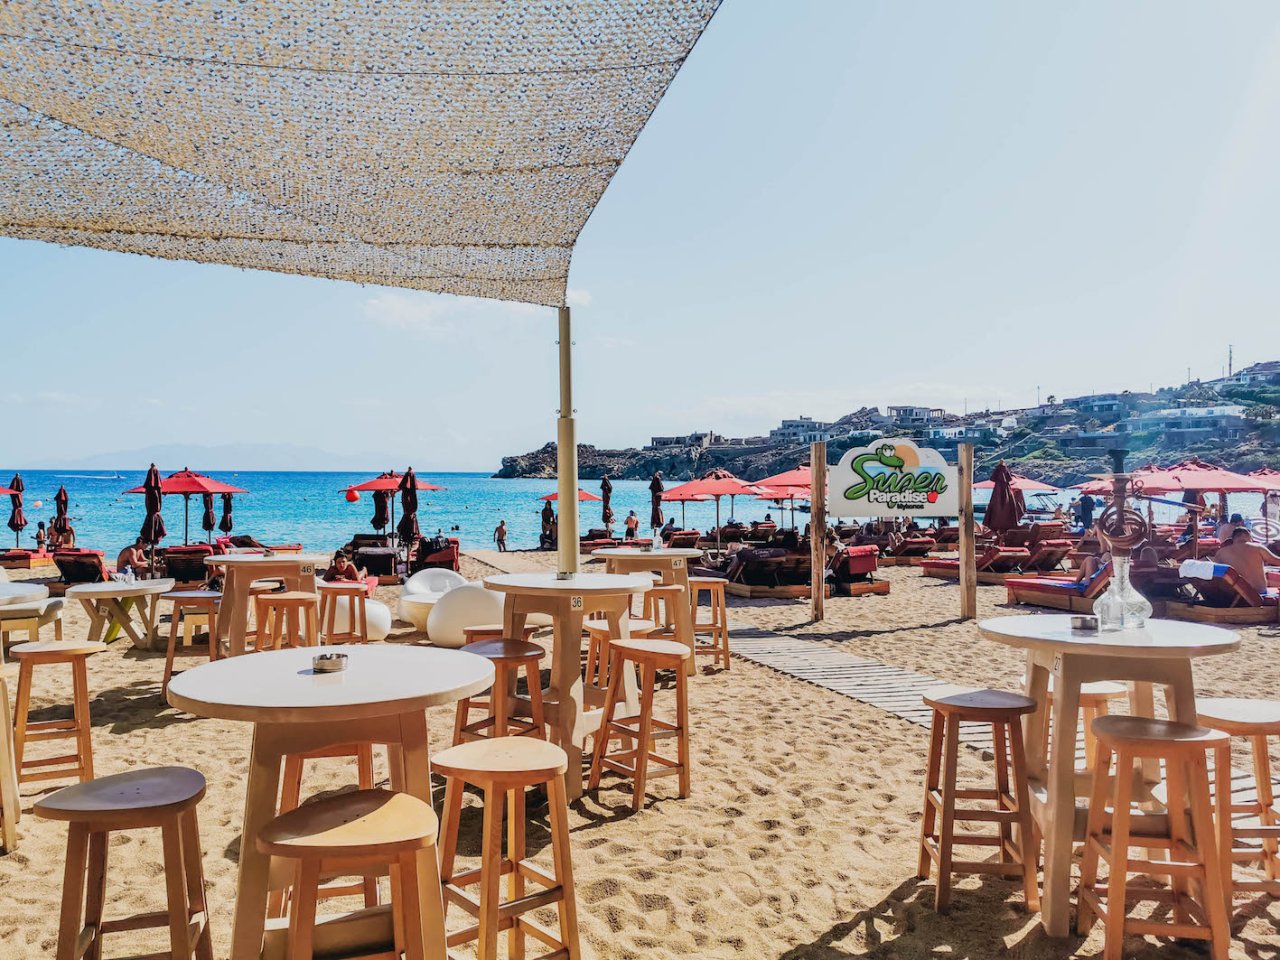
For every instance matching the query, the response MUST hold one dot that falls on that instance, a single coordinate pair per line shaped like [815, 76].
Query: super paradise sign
[891, 479]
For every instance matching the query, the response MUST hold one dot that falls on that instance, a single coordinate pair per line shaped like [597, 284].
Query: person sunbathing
[1247, 559]
[344, 570]
[135, 557]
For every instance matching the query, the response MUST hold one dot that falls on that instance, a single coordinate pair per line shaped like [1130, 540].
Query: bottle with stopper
[1121, 529]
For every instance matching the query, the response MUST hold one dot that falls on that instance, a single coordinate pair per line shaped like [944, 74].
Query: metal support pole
[566, 456]
[968, 558]
[817, 529]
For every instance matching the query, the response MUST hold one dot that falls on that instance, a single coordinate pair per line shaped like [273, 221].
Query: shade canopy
[457, 146]
[1020, 483]
[717, 483]
[679, 496]
[799, 477]
[1193, 474]
[390, 481]
[187, 482]
[583, 496]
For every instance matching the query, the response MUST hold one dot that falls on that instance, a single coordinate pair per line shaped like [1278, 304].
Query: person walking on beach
[500, 536]
[1087, 503]
[633, 525]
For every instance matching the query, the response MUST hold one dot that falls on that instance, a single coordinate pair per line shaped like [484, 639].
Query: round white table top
[248, 559]
[635, 552]
[19, 592]
[280, 686]
[545, 583]
[1160, 639]
[117, 590]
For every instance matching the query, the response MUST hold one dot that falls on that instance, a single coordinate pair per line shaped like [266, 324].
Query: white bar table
[568, 603]
[672, 565]
[109, 603]
[381, 697]
[1159, 653]
[297, 570]
[19, 592]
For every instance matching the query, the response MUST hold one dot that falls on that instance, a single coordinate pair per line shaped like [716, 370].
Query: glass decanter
[1121, 606]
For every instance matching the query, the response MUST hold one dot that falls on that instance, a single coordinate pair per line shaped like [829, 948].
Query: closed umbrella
[1004, 511]
[209, 520]
[186, 482]
[655, 501]
[60, 525]
[153, 526]
[381, 512]
[606, 509]
[16, 518]
[408, 525]
[390, 482]
[227, 523]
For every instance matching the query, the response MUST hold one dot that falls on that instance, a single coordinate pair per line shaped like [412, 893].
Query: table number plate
[307, 570]
[1057, 664]
[677, 563]
[575, 603]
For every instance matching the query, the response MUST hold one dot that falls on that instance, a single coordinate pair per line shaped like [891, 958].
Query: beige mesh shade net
[454, 146]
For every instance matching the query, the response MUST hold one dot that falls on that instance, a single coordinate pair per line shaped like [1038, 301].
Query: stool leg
[515, 879]
[1118, 878]
[1176, 783]
[175, 877]
[602, 735]
[558, 814]
[328, 609]
[1226, 837]
[73, 892]
[1266, 801]
[644, 739]
[291, 783]
[364, 778]
[498, 708]
[448, 845]
[1089, 714]
[96, 895]
[1001, 765]
[21, 709]
[84, 737]
[534, 679]
[490, 874]
[1215, 904]
[193, 860]
[932, 773]
[409, 905]
[364, 621]
[1097, 819]
[431, 905]
[173, 645]
[214, 652]
[313, 627]
[460, 717]
[722, 622]
[302, 912]
[682, 721]
[1028, 840]
[951, 756]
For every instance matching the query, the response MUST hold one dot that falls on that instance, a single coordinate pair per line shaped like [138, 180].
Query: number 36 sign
[892, 478]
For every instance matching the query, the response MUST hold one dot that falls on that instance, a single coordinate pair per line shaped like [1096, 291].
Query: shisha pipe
[1119, 527]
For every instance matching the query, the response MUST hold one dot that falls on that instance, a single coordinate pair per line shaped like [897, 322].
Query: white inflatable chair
[377, 617]
[469, 605]
[421, 591]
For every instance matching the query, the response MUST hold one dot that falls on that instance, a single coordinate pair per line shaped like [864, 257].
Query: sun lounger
[1061, 593]
[1047, 556]
[1226, 598]
[947, 535]
[994, 565]
[684, 539]
[435, 552]
[186, 564]
[852, 570]
[911, 547]
[80, 566]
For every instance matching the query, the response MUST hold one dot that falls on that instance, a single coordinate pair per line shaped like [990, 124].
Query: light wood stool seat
[79, 764]
[598, 635]
[189, 608]
[717, 622]
[363, 832]
[1193, 865]
[504, 769]
[1095, 701]
[1248, 831]
[164, 798]
[639, 733]
[357, 595]
[280, 616]
[508, 657]
[493, 631]
[1019, 855]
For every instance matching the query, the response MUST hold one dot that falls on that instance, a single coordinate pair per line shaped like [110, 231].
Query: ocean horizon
[310, 507]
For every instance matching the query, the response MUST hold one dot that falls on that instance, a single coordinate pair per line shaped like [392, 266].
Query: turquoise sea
[310, 508]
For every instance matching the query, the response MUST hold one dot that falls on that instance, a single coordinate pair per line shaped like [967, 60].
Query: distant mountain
[231, 456]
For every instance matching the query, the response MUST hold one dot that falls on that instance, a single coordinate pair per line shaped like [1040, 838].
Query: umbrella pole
[566, 455]
[717, 522]
[683, 523]
[186, 519]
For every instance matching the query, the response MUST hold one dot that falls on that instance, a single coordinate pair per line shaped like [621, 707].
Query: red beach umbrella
[185, 483]
[208, 522]
[60, 524]
[675, 496]
[153, 526]
[655, 500]
[1021, 484]
[583, 497]
[408, 525]
[390, 483]
[1004, 511]
[16, 518]
[718, 483]
[381, 509]
[606, 497]
[799, 477]
[227, 523]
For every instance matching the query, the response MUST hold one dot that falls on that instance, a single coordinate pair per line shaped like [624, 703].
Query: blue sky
[843, 204]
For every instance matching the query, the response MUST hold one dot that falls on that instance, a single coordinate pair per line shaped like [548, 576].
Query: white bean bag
[416, 607]
[433, 580]
[467, 606]
[377, 617]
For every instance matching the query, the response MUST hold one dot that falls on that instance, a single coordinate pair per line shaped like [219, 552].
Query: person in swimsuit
[1248, 559]
[343, 569]
[500, 536]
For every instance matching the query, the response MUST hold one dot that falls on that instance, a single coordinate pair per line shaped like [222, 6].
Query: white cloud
[578, 298]
[441, 316]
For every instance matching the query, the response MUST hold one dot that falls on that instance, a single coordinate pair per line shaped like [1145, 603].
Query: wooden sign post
[817, 528]
[968, 558]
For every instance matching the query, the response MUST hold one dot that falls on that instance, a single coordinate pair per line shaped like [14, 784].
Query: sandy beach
[799, 839]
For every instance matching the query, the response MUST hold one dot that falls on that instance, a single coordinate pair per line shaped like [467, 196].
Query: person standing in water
[500, 536]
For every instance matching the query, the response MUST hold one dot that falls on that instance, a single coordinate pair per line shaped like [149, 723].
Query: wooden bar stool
[1255, 721]
[717, 623]
[598, 636]
[638, 733]
[662, 605]
[365, 831]
[1095, 702]
[284, 614]
[1019, 855]
[357, 621]
[163, 798]
[79, 764]
[492, 631]
[10, 804]
[260, 588]
[508, 657]
[1196, 892]
[508, 766]
[190, 608]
